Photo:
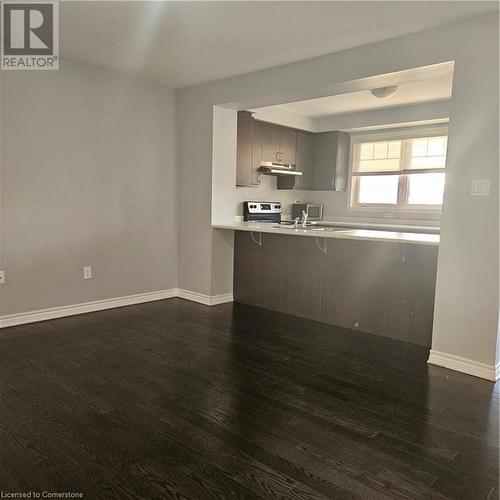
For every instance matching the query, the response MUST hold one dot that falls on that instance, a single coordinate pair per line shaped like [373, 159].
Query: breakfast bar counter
[334, 232]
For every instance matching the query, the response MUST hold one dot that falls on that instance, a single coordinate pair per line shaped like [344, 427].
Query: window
[403, 173]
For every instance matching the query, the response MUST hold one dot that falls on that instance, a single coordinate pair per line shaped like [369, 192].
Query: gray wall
[88, 178]
[466, 315]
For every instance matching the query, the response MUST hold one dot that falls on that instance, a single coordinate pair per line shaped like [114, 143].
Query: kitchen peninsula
[379, 282]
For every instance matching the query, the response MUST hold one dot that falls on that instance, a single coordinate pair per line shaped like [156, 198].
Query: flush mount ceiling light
[383, 92]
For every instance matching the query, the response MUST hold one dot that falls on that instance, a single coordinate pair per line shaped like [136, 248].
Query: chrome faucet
[296, 222]
[305, 215]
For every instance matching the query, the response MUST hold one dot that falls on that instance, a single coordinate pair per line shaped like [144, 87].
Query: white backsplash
[335, 204]
[267, 191]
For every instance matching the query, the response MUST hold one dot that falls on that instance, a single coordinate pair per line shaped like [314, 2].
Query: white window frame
[388, 135]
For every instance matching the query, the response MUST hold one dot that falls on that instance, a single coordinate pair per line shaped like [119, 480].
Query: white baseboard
[464, 365]
[208, 300]
[100, 305]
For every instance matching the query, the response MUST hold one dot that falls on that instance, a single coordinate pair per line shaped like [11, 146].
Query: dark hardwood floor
[172, 399]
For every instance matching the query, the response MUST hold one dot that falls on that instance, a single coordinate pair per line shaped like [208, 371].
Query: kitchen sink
[313, 228]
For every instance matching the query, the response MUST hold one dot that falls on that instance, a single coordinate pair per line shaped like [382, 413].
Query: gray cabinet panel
[331, 161]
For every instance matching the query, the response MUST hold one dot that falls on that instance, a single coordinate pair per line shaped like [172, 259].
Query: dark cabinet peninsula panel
[381, 288]
[377, 287]
[292, 272]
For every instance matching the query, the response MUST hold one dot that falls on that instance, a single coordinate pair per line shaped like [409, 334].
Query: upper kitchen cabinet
[278, 143]
[331, 161]
[288, 144]
[322, 158]
[304, 160]
[270, 137]
[248, 156]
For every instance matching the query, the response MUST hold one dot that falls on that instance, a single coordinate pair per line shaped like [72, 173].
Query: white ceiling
[185, 43]
[432, 89]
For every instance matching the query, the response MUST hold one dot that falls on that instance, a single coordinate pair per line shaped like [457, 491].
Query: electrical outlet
[2, 277]
[480, 187]
[87, 272]
[389, 215]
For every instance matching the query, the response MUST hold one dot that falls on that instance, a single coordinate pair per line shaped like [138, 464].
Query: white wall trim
[208, 300]
[100, 305]
[464, 365]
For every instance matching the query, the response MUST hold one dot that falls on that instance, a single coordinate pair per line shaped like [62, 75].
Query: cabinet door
[288, 144]
[342, 161]
[304, 160]
[270, 141]
[331, 161]
[244, 149]
[324, 161]
[247, 274]
[257, 154]
[292, 275]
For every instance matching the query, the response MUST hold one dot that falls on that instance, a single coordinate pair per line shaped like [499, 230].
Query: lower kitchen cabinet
[376, 287]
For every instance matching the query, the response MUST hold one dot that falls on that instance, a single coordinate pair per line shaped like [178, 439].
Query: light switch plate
[87, 272]
[480, 187]
[2, 277]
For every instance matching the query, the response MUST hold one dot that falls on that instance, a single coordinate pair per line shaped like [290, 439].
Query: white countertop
[346, 234]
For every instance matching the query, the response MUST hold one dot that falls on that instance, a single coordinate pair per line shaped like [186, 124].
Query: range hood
[272, 168]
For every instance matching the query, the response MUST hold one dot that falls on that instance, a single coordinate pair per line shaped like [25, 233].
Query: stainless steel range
[262, 211]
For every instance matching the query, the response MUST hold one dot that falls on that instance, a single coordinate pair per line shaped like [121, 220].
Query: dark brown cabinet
[244, 149]
[376, 287]
[270, 134]
[304, 160]
[278, 143]
[322, 158]
[256, 154]
[247, 275]
[288, 143]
